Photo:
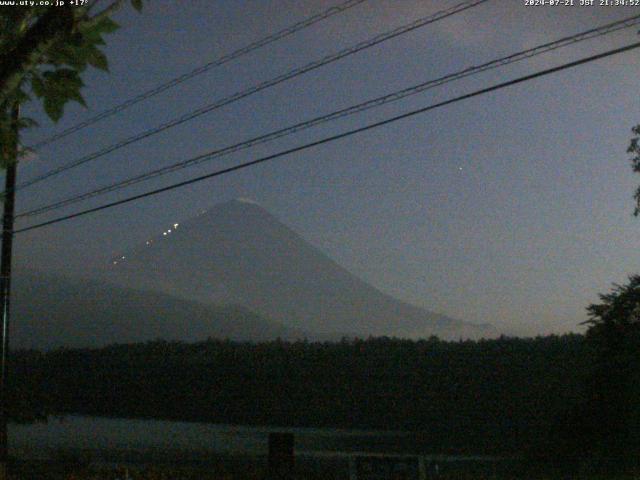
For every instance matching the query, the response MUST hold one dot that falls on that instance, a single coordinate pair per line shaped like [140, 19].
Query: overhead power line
[257, 88]
[290, 30]
[382, 100]
[333, 138]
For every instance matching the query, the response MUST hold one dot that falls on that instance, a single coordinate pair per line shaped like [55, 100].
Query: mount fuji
[238, 253]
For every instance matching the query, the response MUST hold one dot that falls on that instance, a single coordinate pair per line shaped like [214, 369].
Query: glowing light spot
[164, 233]
[115, 262]
[169, 231]
[175, 225]
[123, 257]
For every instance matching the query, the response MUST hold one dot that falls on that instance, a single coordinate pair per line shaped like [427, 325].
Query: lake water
[80, 433]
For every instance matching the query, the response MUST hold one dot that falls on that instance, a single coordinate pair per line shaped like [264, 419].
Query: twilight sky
[513, 208]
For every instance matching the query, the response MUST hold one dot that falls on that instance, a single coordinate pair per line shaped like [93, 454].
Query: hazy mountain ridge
[239, 253]
[50, 311]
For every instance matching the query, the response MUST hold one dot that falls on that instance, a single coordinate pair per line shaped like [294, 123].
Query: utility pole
[5, 285]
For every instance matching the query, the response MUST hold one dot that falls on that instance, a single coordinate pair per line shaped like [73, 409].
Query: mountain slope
[237, 252]
[52, 311]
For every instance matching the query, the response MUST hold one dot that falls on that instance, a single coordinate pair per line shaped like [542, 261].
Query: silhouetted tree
[612, 413]
[634, 148]
[492, 396]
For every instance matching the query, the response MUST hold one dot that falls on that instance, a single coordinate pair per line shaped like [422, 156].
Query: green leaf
[99, 60]
[76, 39]
[137, 4]
[61, 86]
[77, 96]
[21, 96]
[62, 79]
[71, 55]
[26, 122]
[54, 106]
[37, 85]
[104, 25]
[92, 36]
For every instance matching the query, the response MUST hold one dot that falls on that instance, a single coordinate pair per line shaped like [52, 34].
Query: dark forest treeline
[490, 396]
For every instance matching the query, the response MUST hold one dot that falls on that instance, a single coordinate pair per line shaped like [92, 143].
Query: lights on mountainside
[148, 243]
[246, 200]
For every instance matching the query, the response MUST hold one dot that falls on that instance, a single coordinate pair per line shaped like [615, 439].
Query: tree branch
[104, 13]
[16, 62]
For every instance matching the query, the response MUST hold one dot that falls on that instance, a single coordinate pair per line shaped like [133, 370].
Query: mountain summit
[239, 253]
